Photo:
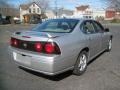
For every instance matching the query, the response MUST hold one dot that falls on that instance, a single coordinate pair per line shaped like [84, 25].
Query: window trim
[30, 10]
[33, 4]
[34, 11]
[100, 31]
[38, 10]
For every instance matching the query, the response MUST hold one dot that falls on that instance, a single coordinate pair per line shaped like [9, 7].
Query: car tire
[81, 63]
[109, 47]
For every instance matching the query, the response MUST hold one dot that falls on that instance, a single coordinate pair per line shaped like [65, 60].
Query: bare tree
[7, 8]
[114, 4]
[3, 3]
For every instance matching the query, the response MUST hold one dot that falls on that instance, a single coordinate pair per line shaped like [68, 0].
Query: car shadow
[59, 76]
[91, 61]
[53, 78]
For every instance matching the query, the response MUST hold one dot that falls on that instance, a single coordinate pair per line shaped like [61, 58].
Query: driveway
[103, 72]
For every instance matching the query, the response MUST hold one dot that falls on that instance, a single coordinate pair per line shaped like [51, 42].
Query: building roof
[26, 6]
[110, 9]
[82, 8]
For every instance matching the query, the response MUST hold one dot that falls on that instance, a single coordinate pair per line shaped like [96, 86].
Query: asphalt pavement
[103, 73]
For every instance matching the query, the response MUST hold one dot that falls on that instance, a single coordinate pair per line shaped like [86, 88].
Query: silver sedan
[59, 45]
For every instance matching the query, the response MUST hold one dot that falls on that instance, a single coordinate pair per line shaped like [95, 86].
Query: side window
[88, 27]
[98, 27]
[52, 25]
[65, 25]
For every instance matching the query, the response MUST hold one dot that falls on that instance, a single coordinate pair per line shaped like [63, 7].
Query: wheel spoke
[82, 63]
[110, 44]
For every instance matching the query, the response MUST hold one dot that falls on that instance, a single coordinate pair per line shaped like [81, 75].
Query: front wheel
[109, 45]
[81, 63]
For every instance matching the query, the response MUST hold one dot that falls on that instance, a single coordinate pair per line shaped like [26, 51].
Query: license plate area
[22, 58]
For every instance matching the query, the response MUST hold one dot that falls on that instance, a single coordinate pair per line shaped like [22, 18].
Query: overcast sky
[69, 4]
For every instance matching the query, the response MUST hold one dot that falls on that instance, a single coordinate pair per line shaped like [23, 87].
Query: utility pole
[56, 8]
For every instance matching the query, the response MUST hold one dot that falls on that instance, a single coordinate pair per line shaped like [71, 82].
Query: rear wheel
[81, 64]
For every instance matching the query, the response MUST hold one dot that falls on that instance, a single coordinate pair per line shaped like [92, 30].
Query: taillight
[41, 47]
[49, 48]
[38, 47]
[52, 48]
[14, 42]
[11, 41]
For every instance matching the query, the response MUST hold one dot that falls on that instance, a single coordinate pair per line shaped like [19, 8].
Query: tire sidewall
[76, 70]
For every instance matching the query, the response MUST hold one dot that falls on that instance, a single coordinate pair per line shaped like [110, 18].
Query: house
[83, 11]
[111, 14]
[30, 13]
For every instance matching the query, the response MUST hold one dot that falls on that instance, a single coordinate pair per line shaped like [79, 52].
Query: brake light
[52, 48]
[49, 48]
[41, 47]
[38, 47]
[14, 42]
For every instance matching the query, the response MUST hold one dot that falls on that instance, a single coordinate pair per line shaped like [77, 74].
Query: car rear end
[36, 51]
[45, 48]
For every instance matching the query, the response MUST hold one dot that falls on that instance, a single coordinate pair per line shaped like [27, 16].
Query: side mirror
[107, 30]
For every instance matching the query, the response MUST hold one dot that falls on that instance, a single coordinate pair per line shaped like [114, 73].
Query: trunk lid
[36, 36]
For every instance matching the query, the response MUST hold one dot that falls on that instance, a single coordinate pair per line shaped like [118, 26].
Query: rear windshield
[57, 25]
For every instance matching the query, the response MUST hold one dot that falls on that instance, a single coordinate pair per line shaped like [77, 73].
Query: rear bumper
[47, 64]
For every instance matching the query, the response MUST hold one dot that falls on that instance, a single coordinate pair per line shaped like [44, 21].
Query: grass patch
[115, 21]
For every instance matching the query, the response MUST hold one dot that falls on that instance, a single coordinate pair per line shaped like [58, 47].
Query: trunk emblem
[24, 45]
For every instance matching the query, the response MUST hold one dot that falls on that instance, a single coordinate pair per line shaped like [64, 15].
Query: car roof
[80, 19]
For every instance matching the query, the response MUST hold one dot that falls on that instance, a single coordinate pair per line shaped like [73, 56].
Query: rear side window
[98, 27]
[88, 27]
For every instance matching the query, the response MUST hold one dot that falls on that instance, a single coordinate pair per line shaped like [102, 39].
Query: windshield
[57, 25]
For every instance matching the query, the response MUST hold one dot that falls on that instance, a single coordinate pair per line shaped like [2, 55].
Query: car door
[94, 38]
[104, 36]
